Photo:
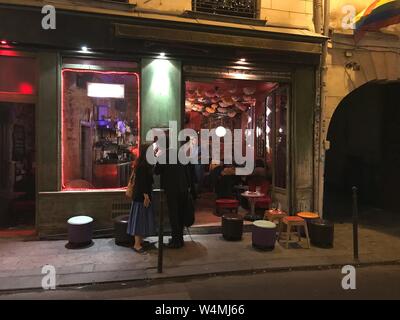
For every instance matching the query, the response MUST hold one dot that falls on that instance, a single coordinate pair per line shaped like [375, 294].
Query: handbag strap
[132, 175]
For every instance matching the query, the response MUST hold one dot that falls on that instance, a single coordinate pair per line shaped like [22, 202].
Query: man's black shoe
[174, 245]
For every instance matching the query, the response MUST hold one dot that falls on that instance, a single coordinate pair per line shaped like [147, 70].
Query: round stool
[229, 204]
[80, 231]
[308, 217]
[232, 227]
[264, 235]
[322, 233]
[122, 238]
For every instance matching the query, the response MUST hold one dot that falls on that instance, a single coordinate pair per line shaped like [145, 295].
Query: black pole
[160, 231]
[355, 224]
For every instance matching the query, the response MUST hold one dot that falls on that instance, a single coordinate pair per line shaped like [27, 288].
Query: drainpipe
[317, 16]
[322, 128]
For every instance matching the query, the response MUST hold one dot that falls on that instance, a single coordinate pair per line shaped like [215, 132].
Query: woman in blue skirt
[141, 222]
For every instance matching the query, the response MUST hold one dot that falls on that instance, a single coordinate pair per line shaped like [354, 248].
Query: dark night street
[375, 282]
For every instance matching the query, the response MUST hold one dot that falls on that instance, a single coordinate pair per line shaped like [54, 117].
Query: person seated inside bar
[226, 181]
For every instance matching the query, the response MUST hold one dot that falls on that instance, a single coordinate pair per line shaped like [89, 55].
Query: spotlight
[162, 55]
[220, 131]
[243, 60]
[85, 49]
[4, 42]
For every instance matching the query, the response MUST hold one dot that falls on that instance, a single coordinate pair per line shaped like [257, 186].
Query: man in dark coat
[178, 182]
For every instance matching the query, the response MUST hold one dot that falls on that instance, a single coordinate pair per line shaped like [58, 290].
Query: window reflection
[281, 111]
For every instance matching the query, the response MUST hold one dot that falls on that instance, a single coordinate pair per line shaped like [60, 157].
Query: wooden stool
[294, 221]
[275, 216]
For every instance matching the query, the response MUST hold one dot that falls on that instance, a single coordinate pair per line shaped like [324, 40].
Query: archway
[364, 136]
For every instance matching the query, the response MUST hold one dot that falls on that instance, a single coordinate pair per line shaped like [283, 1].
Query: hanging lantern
[210, 110]
[249, 90]
[210, 93]
[232, 114]
[235, 98]
[227, 101]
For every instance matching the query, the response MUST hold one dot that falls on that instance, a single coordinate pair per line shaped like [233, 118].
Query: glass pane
[269, 107]
[281, 132]
[100, 128]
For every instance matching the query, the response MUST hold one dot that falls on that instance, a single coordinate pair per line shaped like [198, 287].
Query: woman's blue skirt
[141, 220]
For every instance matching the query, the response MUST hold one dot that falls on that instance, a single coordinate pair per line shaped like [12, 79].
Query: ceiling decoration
[225, 98]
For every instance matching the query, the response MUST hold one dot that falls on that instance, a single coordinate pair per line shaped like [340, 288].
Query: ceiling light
[220, 132]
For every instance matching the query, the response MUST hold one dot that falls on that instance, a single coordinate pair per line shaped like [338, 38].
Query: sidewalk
[21, 262]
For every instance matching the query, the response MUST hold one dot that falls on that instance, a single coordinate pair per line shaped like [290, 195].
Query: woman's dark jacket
[143, 182]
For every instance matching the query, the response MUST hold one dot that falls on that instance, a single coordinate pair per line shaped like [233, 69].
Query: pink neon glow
[62, 122]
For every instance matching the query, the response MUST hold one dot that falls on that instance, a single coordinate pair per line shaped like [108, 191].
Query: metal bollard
[355, 224]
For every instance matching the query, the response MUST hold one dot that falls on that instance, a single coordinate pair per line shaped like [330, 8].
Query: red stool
[229, 204]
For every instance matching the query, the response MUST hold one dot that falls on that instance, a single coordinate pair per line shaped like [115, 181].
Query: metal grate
[236, 8]
[120, 208]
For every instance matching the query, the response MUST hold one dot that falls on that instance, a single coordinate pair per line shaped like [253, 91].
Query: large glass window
[100, 128]
[281, 136]
[276, 124]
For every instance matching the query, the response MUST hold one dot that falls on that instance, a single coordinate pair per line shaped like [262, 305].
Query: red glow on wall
[63, 186]
[25, 88]
[9, 53]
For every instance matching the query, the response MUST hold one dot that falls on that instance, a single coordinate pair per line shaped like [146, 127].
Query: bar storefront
[101, 89]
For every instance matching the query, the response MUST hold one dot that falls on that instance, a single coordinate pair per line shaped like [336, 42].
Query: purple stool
[80, 231]
[264, 235]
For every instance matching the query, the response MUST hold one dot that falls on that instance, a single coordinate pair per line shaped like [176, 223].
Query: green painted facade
[161, 94]
[161, 102]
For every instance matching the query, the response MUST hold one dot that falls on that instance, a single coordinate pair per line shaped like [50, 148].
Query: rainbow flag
[380, 14]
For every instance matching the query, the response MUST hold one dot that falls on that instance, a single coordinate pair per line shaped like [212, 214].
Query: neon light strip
[63, 188]
[16, 92]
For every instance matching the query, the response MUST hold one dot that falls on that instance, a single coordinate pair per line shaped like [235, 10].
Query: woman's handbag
[130, 189]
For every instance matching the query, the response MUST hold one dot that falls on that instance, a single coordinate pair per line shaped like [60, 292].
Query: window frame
[94, 68]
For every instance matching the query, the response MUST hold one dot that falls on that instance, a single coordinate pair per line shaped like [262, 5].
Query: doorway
[221, 104]
[365, 152]
[17, 165]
